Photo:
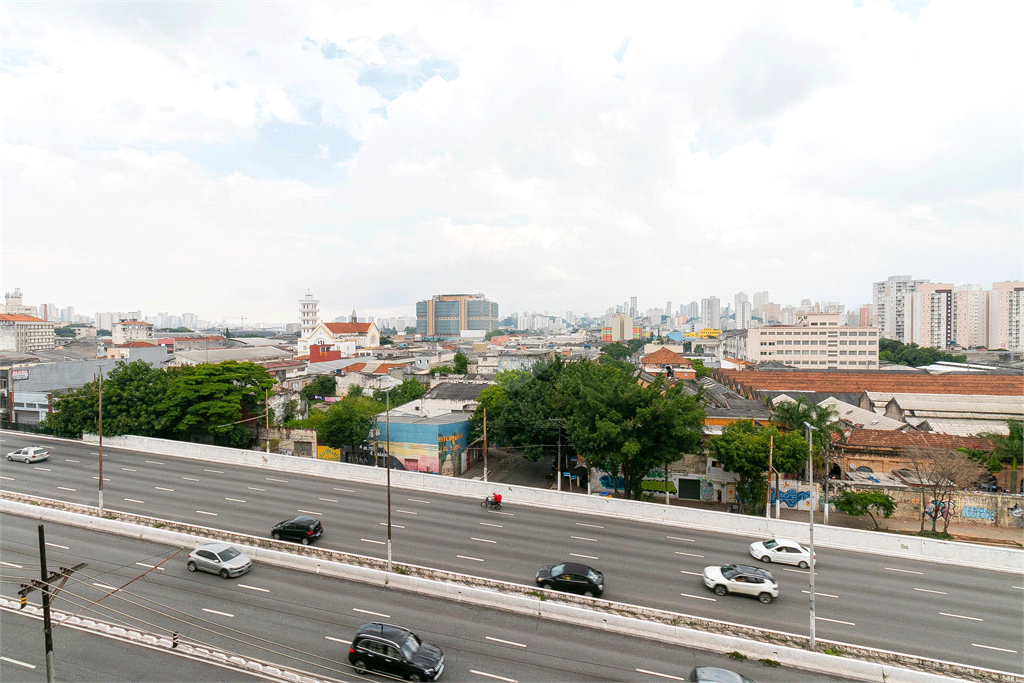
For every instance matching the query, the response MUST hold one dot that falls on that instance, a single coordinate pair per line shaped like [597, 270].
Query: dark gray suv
[302, 529]
[395, 651]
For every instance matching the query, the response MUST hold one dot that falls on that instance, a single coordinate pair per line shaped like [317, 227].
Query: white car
[29, 454]
[783, 551]
[742, 579]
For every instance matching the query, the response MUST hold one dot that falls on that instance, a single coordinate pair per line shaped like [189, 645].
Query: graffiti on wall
[938, 508]
[791, 498]
[707, 490]
[1016, 515]
[972, 512]
[608, 483]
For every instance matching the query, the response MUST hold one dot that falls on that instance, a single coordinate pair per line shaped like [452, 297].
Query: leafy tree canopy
[324, 385]
[409, 390]
[617, 351]
[348, 422]
[894, 351]
[698, 367]
[859, 503]
[743, 448]
[65, 331]
[461, 363]
[795, 415]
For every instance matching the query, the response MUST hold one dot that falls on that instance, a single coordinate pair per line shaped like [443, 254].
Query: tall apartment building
[743, 313]
[621, 328]
[446, 315]
[816, 342]
[1006, 316]
[25, 333]
[309, 314]
[970, 316]
[928, 315]
[890, 301]
[632, 307]
[760, 300]
[710, 311]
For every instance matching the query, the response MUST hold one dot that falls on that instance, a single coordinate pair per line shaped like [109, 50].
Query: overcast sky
[223, 158]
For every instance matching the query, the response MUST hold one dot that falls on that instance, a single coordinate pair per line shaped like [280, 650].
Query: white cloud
[806, 148]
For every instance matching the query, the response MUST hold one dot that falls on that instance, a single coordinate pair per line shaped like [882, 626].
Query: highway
[946, 612]
[304, 620]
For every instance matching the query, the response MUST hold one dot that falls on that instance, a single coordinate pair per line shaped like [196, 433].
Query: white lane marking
[797, 571]
[253, 588]
[154, 462]
[366, 611]
[660, 675]
[1000, 649]
[235, 500]
[12, 565]
[406, 512]
[698, 597]
[328, 500]
[12, 478]
[482, 540]
[62, 547]
[338, 640]
[960, 616]
[905, 571]
[104, 586]
[97, 454]
[253, 488]
[163, 488]
[213, 611]
[677, 538]
[370, 540]
[345, 490]
[132, 500]
[467, 557]
[683, 571]
[584, 538]
[827, 595]
[592, 526]
[128, 469]
[214, 471]
[494, 676]
[65, 488]
[150, 566]
[397, 526]
[70, 460]
[489, 524]
[925, 590]
[497, 512]
[588, 557]
[18, 662]
[504, 642]
[44, 469]
[203, 512]
[189, 479]
[104, 478]
[836, 621]
[689, 554]
[1019, 587]
[310, 512]
[416, 500]
[279, 481]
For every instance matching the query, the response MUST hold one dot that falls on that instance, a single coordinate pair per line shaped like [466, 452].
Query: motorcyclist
[494, 499]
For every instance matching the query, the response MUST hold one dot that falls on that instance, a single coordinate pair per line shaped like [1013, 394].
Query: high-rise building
[928, 315]
[694, 311]
[309, 314]
[970, 316]
[771, 312]
[446, 315]
[711, 311]
[890, 302]
[1006, 316]
[738, 299]
[13, 305]
[760, 300]
[668, 308]
[743, 310]
[621, 327]
[632, 307]
[191, 320]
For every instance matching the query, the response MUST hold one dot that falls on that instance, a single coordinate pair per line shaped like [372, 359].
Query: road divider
[862, 663]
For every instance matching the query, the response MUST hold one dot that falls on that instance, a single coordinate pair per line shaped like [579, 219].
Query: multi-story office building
[25, 333]
[632, 307]
[760, 300]
[817, 341]
[13, 305]
[446, 315]
[621, 328]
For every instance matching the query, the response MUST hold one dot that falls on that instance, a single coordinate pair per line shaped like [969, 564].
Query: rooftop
[873, 439]
[348, 328]
[750, 381]
[664, 356]
[456, 391]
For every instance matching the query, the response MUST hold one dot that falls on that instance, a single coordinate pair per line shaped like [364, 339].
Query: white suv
[743, 579]
[29, 454]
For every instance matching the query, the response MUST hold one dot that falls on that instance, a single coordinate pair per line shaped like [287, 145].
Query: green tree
[103, 333]
[894, 351]
[323, 385]
[409, 390]
[222, 400]
[461, 363]
[793, 416]
[385, 340]
[622, 427]
[132, 394]
[312, 421]
[520, 410]
[495, 333]
[743, 448]
[354, 391]
[65, 331]
[616, 351]
[859, 503]
[442, 370]
[348, 422]
[75, 413]
[698, 367]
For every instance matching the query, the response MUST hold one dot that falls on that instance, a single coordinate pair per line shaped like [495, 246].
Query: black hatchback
[302, 529]
[572, 577]
[395, 651]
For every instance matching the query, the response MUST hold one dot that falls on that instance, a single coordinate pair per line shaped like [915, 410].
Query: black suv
[302, 529]
[396, 651]
[572, 577]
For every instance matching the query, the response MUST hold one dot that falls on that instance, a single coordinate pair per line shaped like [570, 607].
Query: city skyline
[166, 156]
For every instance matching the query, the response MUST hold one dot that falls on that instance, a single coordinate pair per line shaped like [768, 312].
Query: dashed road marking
[689, 554]
[65, 488]
[150, 566]
[70, 460]
[279, 481]
[235, 500]
[960, 616]
[482, 540]
[189, 479]
[18, 662]
[213, 611]
[660, 675]
[797, 571]
[494, 676]
[836, 621]
[678, 538]
[154, 462]
[104, 479]
[345, 490]
[133, 500]
[339, 640]
[253, 588]
[683, 571]
[584, 538]
[55, 545]
[406, 512]
[498, 512]
[328, 500]
[214, 471]
[826, 595]
[12, 565]
[500, 526]
[467, 557]
[905, 571]
[592, 526]
[203, 512]
[104, 586]
[310, 512]
[1000, 649]
[698, 597]
[128, 469]
[370, 540]
[12, 478]
[586, 557]
[397, 526]
[253, 488]
[44, 469]
[366, 611]
[163, 488]
[504, 642]
[925, 590]
[417, 500]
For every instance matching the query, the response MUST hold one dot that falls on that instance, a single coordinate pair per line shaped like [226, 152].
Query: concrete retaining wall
[858, 662]
[859, 540]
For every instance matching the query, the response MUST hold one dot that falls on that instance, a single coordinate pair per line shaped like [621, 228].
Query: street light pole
[101, 439]
[810, 483]
[387, 455]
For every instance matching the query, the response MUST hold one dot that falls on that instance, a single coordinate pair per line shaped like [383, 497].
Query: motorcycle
[491, 502]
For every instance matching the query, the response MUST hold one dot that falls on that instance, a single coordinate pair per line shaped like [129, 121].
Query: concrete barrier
[858, 540]
[858, 662]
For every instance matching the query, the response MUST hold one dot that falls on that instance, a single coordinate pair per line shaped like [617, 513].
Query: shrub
[771, 663]
[738, 656]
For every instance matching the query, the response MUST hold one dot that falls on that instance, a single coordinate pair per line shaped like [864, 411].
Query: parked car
[395, 651]
[302, 529]
[713, 674]
[29, 454]
[782, 550]
[573, 578]
[742, 579]
[218, 558]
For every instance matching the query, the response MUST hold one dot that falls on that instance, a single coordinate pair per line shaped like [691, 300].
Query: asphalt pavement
[306, 621]
[871, 600]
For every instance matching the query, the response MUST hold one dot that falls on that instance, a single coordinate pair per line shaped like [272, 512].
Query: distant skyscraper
[890, 301]
[668, 308]
[743, 309]
[738, 302]
[711, 311]
[632, 307]
[760, 300]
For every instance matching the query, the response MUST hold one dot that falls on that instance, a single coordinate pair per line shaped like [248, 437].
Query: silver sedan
[29, 454]
[218, 558]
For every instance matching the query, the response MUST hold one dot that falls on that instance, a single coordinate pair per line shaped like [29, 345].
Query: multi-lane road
[305, 621]
[947, 612]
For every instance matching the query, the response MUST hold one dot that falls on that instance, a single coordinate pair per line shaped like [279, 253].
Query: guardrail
[863, 663]
[858, 540]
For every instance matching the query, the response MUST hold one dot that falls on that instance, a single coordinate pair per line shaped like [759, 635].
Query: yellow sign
[328, 453]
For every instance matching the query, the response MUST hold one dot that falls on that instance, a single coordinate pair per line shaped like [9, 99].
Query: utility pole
[828, 453]
[266, 404]
[810, 484]
[771, 452]
[101, 440]
[485, 444]
[387, 455]
[559, 457]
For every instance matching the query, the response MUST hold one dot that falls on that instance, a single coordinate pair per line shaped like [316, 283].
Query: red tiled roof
[132, 322]
[137, 344]
[664, 356]
[855, 382]
[355, 367]
[866, 439]
[348, 328]
[19, 318]
[739, 361]
[385, 367]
